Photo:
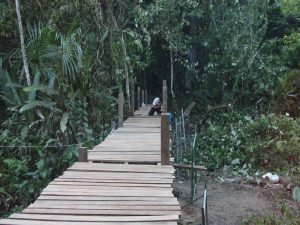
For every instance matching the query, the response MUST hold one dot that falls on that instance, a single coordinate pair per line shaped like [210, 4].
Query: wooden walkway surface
[110, 193]
[138, 141]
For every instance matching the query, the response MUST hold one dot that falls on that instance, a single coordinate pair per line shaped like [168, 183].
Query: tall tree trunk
[192, 54]
[125, 67]
[26, 68]
[124, 56]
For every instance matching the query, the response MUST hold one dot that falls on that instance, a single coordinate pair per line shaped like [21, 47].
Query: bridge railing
[142, 97]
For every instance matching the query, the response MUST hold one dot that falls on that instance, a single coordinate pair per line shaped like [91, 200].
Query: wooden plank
[108, 188]
[122, 168]
[133, 141]
[112, 160]
[135, 181]
[106, 212]
[109, 202]
[96, 218]
[41, 222]
[110, 184]
[118, 153]
[127, 148]
[108, 193]
[107, 206]
[113, 175]
[113, 200]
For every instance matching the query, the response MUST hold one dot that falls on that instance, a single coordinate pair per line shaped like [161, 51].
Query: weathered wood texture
[138, 141]
[165, 139]
[95, 193]
[83, 151]
[132, 98]
[107, 193]
[165, 98]
[138, 98]
[120, 109]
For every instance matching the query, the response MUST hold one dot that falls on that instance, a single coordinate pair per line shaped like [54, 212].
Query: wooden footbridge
[121, 181]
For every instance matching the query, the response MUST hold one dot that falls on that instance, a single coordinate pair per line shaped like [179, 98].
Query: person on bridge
[156, 107]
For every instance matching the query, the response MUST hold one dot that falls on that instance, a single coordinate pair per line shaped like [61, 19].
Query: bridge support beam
[165, 97]
[139, 98]
[146, 96]
[121, 109]
[165, 139]
[132, 99]
[83, 154]
[143, 96]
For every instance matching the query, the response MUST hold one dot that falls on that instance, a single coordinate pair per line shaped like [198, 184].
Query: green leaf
[24, 132]
[34, 104]
[43, 89]
[235, 162]
[64, 121]
[36, 82]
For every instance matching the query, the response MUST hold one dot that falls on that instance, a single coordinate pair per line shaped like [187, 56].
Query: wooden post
[139, 98]
[165, 139]
[165, 97]
[121, 108]
[146, 96]
[132, 99]
[83, 156]
[143, 96]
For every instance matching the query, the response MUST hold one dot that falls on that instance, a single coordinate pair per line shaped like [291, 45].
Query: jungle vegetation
[63, 62]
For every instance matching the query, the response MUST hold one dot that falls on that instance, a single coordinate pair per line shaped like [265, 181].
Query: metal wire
[37, 146]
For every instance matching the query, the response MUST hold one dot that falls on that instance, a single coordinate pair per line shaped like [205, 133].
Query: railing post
[143, 96]
[139, 98]
[83, 154]
[146, 96]
[165, 97]
[121, 108]
[165, 139]
[132, 99]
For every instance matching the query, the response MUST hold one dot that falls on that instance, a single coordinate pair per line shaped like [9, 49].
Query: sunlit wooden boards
[96, 193]
[137, 142]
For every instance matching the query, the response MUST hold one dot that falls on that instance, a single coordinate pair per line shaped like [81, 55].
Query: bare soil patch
[228, 202]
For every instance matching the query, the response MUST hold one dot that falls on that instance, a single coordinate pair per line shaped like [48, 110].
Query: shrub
[268, 142]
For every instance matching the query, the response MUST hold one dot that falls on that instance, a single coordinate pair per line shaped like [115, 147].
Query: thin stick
[26, 68]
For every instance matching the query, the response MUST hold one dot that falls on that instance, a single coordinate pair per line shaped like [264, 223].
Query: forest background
[237, 53]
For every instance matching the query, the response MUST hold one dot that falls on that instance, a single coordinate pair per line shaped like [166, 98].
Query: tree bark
[124, 57]
[192, 54]
[24, 57]
[125, 67]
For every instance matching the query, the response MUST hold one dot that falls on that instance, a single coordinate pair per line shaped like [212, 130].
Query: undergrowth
[289, 215]
[250, 142]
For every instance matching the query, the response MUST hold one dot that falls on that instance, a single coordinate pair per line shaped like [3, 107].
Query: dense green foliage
[81, 53]
[268, 142]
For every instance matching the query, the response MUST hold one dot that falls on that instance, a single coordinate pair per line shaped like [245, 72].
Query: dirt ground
[229, 202]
